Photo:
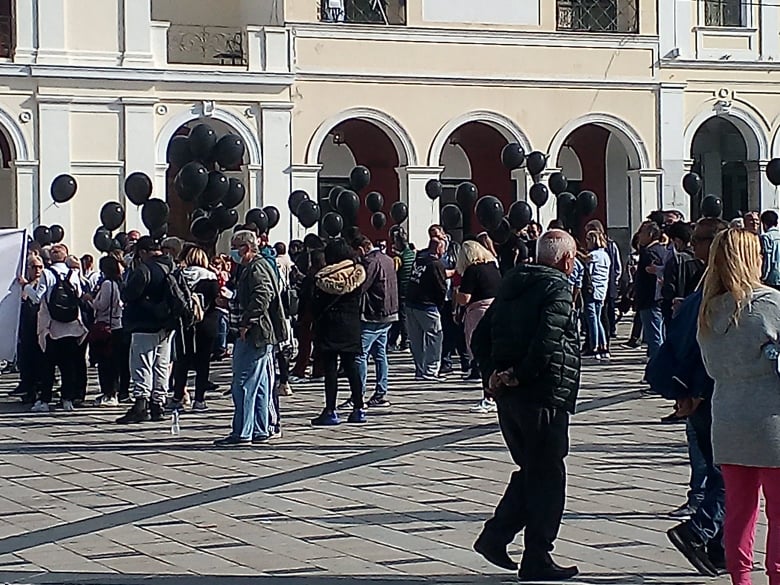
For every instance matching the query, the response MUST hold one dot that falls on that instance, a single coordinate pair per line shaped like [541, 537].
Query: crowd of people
[516, 318]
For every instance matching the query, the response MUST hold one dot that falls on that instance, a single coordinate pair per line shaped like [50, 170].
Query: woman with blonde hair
[598, 266]
[739, 335]
[480, 279]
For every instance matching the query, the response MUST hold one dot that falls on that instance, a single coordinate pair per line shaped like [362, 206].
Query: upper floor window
[6, 28]
[727, 13]
[363, 11]
[601, 16]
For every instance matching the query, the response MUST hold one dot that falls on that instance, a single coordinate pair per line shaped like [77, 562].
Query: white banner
[12, 264]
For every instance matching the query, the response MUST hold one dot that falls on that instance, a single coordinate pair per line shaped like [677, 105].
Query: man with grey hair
[261, 326]
[527, 344]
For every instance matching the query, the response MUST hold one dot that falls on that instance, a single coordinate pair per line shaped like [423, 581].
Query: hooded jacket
[336, 307]
[531, 329]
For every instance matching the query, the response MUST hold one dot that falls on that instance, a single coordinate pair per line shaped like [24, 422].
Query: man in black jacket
[425, 298]
[528, 343]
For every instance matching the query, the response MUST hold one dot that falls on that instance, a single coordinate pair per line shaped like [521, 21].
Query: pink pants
[743, 485]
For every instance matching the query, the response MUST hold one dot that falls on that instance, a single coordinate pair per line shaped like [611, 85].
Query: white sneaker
[605, 356]
[199, 406]
[67, 405]
[104, 400]
[485, 406]
[285, 390]
[40, 407]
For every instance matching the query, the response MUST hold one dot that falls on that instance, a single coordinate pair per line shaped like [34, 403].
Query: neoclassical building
[623, 101]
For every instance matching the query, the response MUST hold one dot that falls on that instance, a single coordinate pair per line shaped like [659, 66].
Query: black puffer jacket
[530, 328]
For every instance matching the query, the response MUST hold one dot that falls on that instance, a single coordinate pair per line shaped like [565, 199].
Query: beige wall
[232, 13]
[92, 25]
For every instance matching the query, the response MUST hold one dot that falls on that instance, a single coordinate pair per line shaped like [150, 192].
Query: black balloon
[587, 202]
[535, 162]
[466, 195]
[112, 215]
[216, 189]
[154, 214]
[42, 235]
[773, 171]
[308, 213]
[191, 181]
[158, 233]
[223, 217]
[539, 194]
[348, 205]
[138, 188]
[359, 178]
[333, 196]
[558, 183]
[399, 212]
[434, 189]
[378, 220]
[102, 240]
[374, 201]
[121, 237]
[235, 193]
[567, 203]
[273, 216]
[259, 218]
[501, 234]
[229, 151]
[57, 233]
[63, 188]
[489, 212]
[692, 183]
[451, 217]
[204, 230]
[203, 139]
[332, 223]
[179, 151]
[520, 214]
[198, 212]
[295, 199]
[711, 206]
[512, 156]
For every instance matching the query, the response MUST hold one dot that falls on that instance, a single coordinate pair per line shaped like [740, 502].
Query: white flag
[13, 253]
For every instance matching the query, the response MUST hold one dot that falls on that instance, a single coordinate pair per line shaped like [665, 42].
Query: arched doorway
[179, 221]
[9, 215]
[722, 155]
[361, 142]
[595, 157]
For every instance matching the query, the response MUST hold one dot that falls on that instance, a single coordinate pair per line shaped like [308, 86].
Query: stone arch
[21, 148]
[752, 128]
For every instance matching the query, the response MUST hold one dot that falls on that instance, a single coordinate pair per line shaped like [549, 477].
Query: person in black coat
[336, 310]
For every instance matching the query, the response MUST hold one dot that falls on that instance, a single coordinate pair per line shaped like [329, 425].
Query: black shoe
[232, 441]
[18, 391]
[548, 572]
[474, 375]
[139, 412]
[633, 343]
[157, 412]
[717, 556]
[445, 369]
[377, 401]
[494, 553]
[684, 540]
[673, 418]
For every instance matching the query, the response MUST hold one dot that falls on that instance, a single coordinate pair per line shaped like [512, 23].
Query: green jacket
[258, 296]
[530, 328]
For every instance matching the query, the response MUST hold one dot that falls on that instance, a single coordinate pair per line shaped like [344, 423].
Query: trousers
[425, 338]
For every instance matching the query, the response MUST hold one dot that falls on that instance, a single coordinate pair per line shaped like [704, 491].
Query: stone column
[672, 142]
[306, 178]
[26, 192]
[137, 40]
[54, 122]
[649, 183]
[139, 154]
[25, 22]
[51, 32]
[422, 211]
[549, 211]
[276, 127]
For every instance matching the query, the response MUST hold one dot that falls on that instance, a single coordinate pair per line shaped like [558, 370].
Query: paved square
[399, 500]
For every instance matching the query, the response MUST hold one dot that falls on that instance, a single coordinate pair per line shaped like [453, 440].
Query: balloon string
[40, 213]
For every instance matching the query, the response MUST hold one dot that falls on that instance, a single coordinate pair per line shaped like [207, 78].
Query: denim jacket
[770, 249]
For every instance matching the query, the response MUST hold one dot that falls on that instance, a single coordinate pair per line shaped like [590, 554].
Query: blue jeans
[596, 334]
[652, 329]
[251, 389]
[374, 339]
[707, 522]
[698, 467]
[222, 331]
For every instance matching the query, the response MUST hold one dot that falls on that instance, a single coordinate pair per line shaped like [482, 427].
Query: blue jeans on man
[374, 340]
[251, 390]
[698, 468]
[652, 329]
[707, 522]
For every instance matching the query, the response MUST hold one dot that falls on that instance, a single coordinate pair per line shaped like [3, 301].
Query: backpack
[63, 303]
[182, 304]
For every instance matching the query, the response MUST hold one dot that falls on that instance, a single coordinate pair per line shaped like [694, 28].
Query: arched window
[603, 16]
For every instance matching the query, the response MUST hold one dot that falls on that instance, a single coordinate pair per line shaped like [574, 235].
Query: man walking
[427, 290]
[770, 250]
[379, 310]
[261, 326]
[403, 260]
[528, 343]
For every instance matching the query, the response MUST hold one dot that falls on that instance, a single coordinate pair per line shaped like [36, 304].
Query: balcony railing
[599, 16]
[6, 36]
[206, 45]
[363, 11]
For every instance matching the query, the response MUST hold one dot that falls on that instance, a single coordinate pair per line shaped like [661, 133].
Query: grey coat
[746, 401]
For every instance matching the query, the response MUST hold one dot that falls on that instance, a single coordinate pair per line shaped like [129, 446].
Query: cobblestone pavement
[398, 500]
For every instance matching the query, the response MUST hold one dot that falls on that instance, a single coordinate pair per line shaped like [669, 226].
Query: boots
[139, 412]
[157, 413]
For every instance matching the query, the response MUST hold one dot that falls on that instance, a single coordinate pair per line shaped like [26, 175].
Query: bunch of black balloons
[45, 235]
[711, 205]
[263, 220]
[202, 159]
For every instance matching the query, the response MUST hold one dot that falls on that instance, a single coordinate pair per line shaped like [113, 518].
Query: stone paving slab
[398, 500]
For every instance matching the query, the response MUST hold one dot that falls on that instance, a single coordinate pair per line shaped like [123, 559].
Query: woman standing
[739, 333]
[598, 264]
[105, 336]
[336, 310]
[195, 345]
[479, 285]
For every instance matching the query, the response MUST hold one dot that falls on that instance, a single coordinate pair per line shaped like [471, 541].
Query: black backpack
[63, 303]
[182, 305]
